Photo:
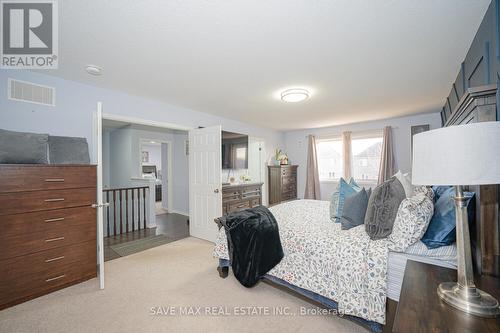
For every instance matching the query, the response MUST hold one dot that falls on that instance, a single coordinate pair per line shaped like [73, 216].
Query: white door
[256, 164]
[99, 205]
[205, 172]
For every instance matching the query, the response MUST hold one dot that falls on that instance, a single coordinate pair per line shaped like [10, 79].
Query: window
[366, 154]
[330, 161]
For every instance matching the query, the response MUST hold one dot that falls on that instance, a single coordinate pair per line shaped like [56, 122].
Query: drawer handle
[55, 278]
[54, 259]
[55, 220]
[54, 200]
[242, 205]
[54, 239]
[54, 180]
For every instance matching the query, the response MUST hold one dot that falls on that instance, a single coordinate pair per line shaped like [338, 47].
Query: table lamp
[460, 155]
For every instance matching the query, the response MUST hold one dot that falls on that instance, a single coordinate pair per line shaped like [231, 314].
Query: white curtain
[347, 149]
[312, 173]
[387, 164]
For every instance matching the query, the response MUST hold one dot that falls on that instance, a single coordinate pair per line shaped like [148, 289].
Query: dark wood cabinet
[282, 183]
[48, 229]
[241, 196]
[421, 310]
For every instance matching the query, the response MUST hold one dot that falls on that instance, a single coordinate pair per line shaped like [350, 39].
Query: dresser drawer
[23, 202]
[16, 178]
[255, 202]
[239, 206]
[45, 262]
[46, 271]
[289, 195]
[18, 224]
[289, 180]
[22, 244]
[288, 188]
[285, 171]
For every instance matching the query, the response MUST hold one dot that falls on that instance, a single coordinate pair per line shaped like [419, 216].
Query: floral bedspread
[343, 265]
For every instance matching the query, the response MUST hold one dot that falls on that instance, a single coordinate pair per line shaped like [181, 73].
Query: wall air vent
[32, 93]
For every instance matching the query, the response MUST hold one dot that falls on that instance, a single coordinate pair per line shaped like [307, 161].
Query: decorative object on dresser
[461, 155]
[241, 196]
[282, 183]
[419, 310]
[48, 238]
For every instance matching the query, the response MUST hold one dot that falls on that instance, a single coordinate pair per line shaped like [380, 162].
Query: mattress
[445, 256]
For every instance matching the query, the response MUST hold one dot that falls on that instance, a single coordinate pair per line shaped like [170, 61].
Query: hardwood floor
[174, 226]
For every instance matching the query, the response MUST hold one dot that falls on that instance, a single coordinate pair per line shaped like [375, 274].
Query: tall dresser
[47, 229]
[282, 183]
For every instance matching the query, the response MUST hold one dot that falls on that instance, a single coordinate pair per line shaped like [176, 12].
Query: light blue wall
[76, 102]
[296, 144]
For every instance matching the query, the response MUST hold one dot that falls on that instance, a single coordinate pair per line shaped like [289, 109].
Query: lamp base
[472, 300]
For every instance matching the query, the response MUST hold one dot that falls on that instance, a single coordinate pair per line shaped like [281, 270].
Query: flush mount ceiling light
[294, 95]
[93, 70]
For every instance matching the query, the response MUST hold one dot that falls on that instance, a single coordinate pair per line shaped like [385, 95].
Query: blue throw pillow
[338, 198]
[354, 185]
[441, 229]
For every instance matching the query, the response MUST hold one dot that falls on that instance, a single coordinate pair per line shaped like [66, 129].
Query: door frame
[169, 168]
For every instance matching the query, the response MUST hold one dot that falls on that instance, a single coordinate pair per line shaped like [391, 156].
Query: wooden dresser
[47, 229]
[421, 310]
[241, 196]
[282, 183]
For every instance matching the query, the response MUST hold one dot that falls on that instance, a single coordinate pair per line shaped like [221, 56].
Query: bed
[340, 269]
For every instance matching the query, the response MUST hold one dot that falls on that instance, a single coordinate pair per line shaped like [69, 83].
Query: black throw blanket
[253, 243]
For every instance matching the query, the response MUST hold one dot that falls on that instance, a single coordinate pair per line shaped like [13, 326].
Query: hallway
[170, 227]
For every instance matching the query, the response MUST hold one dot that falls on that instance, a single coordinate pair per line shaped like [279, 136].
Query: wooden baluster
[126, 209]
[121, 213]
[144, 198]
[133, 215]
[114, 212]
[139, 208]
[107, 212]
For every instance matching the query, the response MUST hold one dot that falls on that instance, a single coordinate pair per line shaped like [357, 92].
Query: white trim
[169, 166]
[174, 211]
[146, 122]
[97, 138]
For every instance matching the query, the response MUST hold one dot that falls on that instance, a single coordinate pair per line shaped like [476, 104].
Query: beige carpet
[179, 274]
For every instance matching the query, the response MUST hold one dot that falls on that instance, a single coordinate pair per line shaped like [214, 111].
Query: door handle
[106, 204]
[216, 190]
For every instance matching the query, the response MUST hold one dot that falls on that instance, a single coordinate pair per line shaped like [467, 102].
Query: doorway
[156, 163]
[145, 182]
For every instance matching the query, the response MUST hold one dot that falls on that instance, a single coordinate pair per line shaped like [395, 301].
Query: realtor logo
[29, 36]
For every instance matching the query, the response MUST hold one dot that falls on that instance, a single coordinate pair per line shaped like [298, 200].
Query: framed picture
[145, 156]
[415, 130]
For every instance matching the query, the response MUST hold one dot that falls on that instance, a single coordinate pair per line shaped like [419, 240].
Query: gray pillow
[23, 148]
[354, 210]
[383, 208]
[68, 150]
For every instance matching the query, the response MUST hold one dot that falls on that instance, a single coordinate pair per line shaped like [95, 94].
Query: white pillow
[412, 220]
[405, 180]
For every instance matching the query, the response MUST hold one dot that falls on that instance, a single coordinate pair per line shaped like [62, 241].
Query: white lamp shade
[458, 155]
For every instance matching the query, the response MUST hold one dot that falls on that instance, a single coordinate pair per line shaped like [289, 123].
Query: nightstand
[421, 310]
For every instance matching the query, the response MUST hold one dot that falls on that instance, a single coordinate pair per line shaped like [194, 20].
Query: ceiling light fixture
[294, 95]
[93, 70]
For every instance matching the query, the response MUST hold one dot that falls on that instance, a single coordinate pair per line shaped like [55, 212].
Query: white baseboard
[177, 212]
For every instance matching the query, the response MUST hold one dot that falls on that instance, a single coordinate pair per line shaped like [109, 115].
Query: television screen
[234, 150]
